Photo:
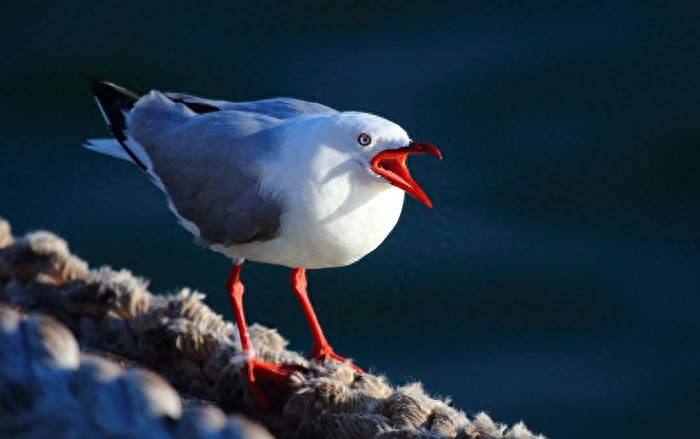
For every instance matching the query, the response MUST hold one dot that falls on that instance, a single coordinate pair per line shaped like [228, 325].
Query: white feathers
[110, 147]
[113, 148]
[102, 111]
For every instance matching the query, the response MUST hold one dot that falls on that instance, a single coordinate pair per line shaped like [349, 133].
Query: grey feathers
[278, 108]
[209, 166]
[206, 155]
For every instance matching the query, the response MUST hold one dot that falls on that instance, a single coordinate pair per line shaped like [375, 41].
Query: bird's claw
[268, 382]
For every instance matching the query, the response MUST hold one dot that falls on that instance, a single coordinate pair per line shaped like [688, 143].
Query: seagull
[280, 181]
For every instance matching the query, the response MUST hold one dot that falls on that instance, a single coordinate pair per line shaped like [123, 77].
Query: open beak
[391, 164]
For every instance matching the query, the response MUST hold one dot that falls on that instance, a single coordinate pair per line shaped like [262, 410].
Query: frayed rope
[200, 355]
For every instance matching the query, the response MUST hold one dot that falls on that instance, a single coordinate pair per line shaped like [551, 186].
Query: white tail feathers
[109, 147]
[113, 148]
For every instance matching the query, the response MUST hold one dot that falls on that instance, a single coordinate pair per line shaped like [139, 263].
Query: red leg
[322, 349]
[255, 369]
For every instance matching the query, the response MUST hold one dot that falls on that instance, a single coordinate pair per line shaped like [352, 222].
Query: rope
[198, 353]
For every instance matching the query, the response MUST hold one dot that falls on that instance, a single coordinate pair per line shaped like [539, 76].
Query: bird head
[381, 148]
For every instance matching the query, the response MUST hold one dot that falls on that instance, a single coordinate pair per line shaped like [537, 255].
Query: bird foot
[323, 352]
[269, 382]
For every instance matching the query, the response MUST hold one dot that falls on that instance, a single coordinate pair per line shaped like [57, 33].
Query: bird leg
[256, 370]
[322, 349]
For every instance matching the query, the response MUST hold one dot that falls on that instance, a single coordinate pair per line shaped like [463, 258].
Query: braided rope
[48, 388]
[199, 353]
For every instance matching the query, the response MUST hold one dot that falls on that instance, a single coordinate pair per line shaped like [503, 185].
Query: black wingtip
[197, 107]
[111, 91]
[115, 101]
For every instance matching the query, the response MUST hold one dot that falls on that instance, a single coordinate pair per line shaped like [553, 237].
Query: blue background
[557, 279]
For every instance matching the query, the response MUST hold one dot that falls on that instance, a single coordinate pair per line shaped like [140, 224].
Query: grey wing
[210, 167]
[278, 108]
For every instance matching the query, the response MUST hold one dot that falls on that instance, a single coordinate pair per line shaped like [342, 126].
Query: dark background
[557, 278]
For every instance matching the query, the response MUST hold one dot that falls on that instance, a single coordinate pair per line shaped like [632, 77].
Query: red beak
[391, 164]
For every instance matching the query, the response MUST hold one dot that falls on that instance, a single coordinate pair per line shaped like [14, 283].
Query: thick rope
[49, 388]
[199, 353]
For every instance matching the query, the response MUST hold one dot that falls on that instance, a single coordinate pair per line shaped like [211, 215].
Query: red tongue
[391, 164]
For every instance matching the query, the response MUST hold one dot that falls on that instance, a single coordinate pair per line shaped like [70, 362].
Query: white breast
[335, 212]
[336, 226]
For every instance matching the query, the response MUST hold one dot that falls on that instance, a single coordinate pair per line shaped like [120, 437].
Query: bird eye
[364, 139]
